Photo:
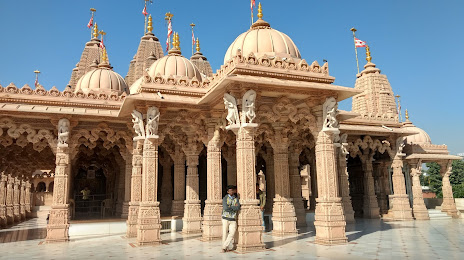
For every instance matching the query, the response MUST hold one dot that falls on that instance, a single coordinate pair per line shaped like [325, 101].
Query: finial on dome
[150, 25]
[198, 45]
[260, 23]
[95, 30]
[406, 115]
[175, 44]
[368, 54]
[177, 41]
[260, 11]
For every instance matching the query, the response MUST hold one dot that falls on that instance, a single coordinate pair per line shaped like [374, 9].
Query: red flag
[169, 35]
[90, 22]
[102, 45]
[36, 82]
[144, 12]
[358, 43]
[252, 4]
[193, 38]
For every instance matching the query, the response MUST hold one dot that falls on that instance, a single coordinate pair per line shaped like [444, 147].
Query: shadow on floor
[22, 235]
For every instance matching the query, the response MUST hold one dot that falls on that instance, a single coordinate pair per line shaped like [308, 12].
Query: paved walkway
[368, 239]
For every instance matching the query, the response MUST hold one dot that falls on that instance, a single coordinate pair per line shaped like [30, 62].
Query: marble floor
[368, 239]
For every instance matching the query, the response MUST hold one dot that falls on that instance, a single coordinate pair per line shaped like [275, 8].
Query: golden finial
[198, 45]
[368, 54]
[260, 11]
[406, 114]
[150, 24]
[104, 56]
[95, 31]
[177, 41]
[168, 16]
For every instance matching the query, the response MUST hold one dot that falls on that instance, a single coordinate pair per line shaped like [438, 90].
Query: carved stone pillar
[127, 185]
[448, 205]
[192, 209]
[22, 200]
[400, 209]
[16, 196]
[329, 218]
[3, 180]
[231, 159]
[212, 223]
[250, 228]
[419, 210]
[28, 199]
[136, 189]
[384, 186]
[179, 183]
[295, 185]
[149, 223]
[370, 204]
[166, 185]
[58, 224]
[345, 187]
[9, 200]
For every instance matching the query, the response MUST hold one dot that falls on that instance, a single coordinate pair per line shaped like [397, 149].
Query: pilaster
[370, 204]
[448, 205]
[28, 199]
[345, 186]
[400, 208]
[418, 208]
[3, 180]
[384, 188]
[136, 188]
[192, 209]
[9, 200]
[16, 197]
[22, 200]
[295, 185]
[179, 183]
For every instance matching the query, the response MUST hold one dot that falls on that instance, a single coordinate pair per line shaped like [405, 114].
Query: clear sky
[418, 44]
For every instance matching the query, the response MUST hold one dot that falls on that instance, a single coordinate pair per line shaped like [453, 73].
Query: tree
[457, 179]
[434, 179]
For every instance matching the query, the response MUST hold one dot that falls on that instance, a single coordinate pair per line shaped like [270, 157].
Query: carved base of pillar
[400, 210]
[348, 210]
[371, 208]
[212, 220]
[132, 219]
[192, 218]
[149, 224]
[58, 224]
[300, 212]
[449, 207]
[329, 222]
[420, 213]
[3, 221]
[250, 229]
[28, 211]
[16, 214]
[177, 208]
[22, 212]
[283, 218]
[125, 210]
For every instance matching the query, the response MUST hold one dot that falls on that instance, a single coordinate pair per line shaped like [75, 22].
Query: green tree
[434, 179]
[457, 179]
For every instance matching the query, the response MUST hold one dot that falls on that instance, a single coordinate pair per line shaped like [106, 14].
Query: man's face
[231, 192]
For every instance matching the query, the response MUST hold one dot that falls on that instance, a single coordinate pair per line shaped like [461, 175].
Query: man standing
[231, 206]
[261, 196]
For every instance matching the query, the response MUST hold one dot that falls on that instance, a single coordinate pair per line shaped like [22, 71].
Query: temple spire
[201, 61]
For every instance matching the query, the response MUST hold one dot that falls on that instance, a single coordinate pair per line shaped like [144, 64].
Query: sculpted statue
[248, 106]
[153, 116]
[63, 132]
[232, 111]
[137, 119]
[399, 145]
[344, 144]
[330, 111]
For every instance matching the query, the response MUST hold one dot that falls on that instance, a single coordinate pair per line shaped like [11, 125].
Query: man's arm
[236, 205]
[225, 206]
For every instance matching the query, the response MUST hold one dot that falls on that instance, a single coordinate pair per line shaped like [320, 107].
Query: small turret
[201, 61]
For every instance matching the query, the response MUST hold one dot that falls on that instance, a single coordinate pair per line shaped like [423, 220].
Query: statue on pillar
[137, 119]
[330, 112]
[232, 111]
[153, 116]
[63, 132]
[248, 106]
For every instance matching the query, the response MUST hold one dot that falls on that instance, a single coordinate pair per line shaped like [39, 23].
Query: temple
[164, 142]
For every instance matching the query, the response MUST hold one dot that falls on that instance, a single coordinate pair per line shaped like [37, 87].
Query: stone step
[437, 214]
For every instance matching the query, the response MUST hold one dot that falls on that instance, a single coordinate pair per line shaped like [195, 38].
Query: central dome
[262, 39]
[174, 65]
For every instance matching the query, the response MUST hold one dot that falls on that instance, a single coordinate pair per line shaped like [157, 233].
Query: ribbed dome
[262, 39]
[174, 65]
[101, 79]
[421, 138]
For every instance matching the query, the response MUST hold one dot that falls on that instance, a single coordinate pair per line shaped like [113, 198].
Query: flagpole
[399, 108]
[193, 44]
[252, 15]
[93, 10]
[145, 27]
[355, 49]
[168, 17]
[37, 72]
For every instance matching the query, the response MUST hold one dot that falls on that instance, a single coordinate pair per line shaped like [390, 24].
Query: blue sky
[418, 44]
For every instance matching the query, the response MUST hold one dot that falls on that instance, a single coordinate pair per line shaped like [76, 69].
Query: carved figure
[137, 119]
[399, 145]
[232, 111]
[248, 106]
[330, 110]
[153, 116]
[63, 132]
[344, 144]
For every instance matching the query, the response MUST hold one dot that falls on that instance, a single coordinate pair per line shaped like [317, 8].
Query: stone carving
[137, 119]
[399, 146]
[63, 132]
[153, 116]
[232, 111]
[330, 111]
[344, 144]
[248, 106]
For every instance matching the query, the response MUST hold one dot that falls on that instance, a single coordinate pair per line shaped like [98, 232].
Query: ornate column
[448, 204]
[418, 208]
[192, 210]
[136, 187]
[329, 218]
[212, 223]
[370, 204]
[343, 180]
[384, 184]
[22, 200]
[3, 180]
[179, 183]
[16, 196]
[127, 185]
[166, 185]
[28, 199]
[400, 209]
[148, 222]
[9, 200]
[295, 185]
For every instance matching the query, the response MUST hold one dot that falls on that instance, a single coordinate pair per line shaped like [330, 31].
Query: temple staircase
[436, 214]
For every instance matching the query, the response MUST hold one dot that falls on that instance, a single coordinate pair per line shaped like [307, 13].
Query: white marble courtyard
[368, 239]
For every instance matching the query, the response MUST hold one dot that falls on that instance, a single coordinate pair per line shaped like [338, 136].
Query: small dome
[421, 138]
[262, 39]
[101, 79]
[174, 65]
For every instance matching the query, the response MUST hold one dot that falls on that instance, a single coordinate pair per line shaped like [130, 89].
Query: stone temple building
[166, 140]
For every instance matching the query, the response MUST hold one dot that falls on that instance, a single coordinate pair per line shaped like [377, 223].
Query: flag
[36, 82]
[358, 43]
[90, 22]
[102, 45]
[193, 38]
[169, 34]
[252, 4]
[144, 11]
